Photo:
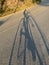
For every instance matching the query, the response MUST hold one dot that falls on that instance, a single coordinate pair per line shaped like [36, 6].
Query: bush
[38, 1]
[1, 11]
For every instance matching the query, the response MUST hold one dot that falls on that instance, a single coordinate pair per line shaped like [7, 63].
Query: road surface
[24, 38]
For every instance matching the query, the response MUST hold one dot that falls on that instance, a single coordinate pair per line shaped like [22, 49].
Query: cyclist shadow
[29, 42]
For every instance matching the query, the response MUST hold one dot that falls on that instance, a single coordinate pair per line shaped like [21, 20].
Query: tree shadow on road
[44, 3]
[1, 23]
[4, 21]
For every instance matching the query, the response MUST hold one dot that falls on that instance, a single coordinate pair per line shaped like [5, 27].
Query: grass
[19, 8]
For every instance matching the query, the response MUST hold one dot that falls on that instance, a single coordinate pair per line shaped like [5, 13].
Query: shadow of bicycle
[29, 43]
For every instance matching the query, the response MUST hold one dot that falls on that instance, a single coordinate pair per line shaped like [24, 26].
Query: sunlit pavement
[14, 38]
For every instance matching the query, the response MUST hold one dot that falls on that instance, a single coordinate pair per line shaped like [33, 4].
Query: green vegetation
[37, 1]
[10, 6]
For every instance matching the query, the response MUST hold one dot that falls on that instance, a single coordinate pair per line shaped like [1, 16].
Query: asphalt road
[24, 39]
